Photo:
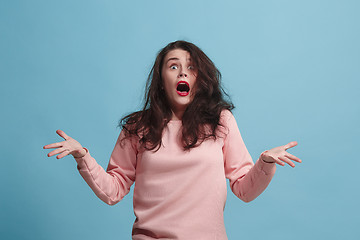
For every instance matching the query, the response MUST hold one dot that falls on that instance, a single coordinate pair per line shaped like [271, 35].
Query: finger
[53, 145]
[62, 134]
[279, 162]
[286, 160]
[63, 154]
[292, 157]
[57, 151]
[290, 145]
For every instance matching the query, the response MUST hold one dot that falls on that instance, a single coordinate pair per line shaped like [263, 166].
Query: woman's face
[178, 76]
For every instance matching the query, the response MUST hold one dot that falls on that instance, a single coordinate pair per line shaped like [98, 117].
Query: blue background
[291, 67]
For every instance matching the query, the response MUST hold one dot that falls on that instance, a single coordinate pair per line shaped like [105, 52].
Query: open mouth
[183, 88]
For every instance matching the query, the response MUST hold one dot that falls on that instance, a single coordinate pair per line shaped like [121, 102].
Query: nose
[182, 75]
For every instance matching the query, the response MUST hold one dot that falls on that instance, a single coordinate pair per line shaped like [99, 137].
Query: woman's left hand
[280, 156]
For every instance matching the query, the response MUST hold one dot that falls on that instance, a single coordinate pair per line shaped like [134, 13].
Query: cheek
[194, 77]
[194, 85]
[167, 85]
[193, 81]
[168, 78]
[166, 89]
[165, 81]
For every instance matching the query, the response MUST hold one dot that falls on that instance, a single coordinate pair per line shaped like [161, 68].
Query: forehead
[178, 54]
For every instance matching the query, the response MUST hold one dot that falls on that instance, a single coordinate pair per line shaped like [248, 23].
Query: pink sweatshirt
[179, 194]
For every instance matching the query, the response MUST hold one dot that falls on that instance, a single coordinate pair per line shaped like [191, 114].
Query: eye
[173, 67]
[191, 67]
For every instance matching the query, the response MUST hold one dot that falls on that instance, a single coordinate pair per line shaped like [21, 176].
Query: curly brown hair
[201, 118]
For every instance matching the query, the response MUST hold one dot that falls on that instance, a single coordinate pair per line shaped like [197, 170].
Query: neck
[177, 115]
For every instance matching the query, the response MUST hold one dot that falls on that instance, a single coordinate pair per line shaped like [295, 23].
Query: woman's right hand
[64, 148]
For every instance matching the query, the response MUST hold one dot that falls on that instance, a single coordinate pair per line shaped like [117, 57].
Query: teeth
[183, 87]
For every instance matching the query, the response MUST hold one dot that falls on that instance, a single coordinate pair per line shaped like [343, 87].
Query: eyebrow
[175, 58]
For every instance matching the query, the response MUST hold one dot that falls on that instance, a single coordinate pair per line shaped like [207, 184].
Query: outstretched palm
[280, 156]
[64, 148]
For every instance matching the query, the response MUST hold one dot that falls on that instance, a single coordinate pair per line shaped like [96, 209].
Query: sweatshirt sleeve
[247, 180]
[114, 183]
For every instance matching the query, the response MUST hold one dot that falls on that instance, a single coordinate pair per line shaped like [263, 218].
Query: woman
[179, 150]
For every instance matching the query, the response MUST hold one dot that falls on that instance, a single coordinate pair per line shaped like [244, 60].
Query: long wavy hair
[201, 118]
